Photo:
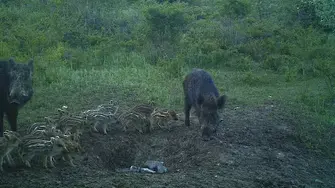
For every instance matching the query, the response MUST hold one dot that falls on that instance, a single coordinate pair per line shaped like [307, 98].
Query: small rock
[230, 162]
[280, 155]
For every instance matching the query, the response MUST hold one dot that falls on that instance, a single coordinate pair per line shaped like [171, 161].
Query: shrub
[166, 22]
[236, 8]
[317, 12]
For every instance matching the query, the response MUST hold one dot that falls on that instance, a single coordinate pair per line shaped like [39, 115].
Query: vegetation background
[134, 51]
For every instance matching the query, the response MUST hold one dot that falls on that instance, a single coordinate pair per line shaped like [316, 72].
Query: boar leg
[12, 116]
[187, 108]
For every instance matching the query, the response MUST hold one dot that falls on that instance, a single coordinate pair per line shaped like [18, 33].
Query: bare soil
[256, 147]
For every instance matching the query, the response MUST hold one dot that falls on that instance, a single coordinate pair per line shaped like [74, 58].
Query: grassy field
[135, 51]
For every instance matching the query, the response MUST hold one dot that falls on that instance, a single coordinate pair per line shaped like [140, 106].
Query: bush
[236, 8]
[327, 70]
[317, 12]
[201, 44]
[277, 63]
[166, 22]
[325, 10]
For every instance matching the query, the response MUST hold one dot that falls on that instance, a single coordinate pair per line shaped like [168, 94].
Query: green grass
[89, 53]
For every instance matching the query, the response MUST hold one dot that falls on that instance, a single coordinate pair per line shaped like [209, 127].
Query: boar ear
[31, 64]
[200, 99]
[221, 101]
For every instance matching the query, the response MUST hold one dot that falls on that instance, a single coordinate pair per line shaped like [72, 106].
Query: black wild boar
[15, 90]
[201, 93]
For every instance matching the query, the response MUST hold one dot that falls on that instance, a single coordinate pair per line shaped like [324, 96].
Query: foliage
[166, 24]
[236, 8]
[321, 12]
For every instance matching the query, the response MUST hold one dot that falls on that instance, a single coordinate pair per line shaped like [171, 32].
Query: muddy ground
[256, 147]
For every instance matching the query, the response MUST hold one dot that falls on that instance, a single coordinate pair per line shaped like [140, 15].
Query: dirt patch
[256, 147]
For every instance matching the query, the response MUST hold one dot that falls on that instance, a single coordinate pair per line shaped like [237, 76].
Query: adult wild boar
[201, 93]
[15, 90]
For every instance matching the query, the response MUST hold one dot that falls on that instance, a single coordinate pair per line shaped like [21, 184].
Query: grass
[88, 53]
